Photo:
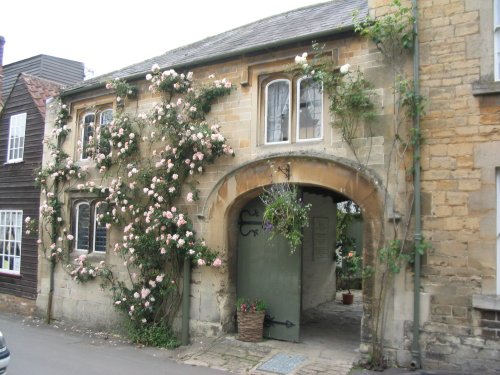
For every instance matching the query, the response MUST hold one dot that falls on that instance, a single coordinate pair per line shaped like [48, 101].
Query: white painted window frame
[298, 113]
[18, 241]
[496, 38]
[17, 130]
[289, 111]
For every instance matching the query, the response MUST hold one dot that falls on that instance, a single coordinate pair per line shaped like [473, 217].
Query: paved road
[45, 350]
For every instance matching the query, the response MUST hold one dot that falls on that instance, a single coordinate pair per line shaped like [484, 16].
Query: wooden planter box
[251, 326]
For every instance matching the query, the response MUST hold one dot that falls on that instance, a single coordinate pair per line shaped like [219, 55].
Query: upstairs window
[11, 224]
[90, 234]
[106, 117]
[278, 111]
[87, 132]
[17, 129]
[309, 110]
[88, 127]
[293, 110]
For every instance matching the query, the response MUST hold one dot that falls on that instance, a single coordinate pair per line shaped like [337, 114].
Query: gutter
[211, 59]
[415, 347]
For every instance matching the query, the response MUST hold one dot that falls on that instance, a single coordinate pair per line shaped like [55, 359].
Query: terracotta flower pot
[347, 298]
[251, 326]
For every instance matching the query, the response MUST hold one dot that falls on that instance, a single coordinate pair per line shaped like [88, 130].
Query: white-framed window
[17, 130]
[89, 122]
[309, 110]
[90, 234]
[11, 229]
[291, 109]
[277, 111]
[106, 117]
[496, 38]
[498, 231]
[87, 132]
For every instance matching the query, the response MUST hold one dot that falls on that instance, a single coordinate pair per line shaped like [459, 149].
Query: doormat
[282, 363]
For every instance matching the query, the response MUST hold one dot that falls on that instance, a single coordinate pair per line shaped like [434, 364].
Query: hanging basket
[251, 326]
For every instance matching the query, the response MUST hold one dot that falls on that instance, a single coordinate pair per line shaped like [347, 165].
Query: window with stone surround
[90, 234]
[292, 110]
[88, 122]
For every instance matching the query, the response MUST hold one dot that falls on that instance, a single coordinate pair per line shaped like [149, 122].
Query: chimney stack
[2, 43]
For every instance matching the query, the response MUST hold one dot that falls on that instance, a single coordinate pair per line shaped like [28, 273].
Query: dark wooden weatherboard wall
[56, 69]
[17, 188]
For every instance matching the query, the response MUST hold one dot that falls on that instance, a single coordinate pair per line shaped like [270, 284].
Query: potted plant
[351, 266]
[285, 213]
[250, 315]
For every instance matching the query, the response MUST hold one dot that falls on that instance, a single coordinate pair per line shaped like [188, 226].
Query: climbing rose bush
[147, 165]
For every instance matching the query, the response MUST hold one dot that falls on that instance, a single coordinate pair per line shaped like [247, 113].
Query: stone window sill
[485, 88]
[486, 302]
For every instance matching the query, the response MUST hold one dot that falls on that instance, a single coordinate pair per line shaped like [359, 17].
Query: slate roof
[67, 72]
[299, 24]
[40, 90]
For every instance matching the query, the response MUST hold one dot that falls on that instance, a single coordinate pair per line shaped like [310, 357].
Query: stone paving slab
[239, 357]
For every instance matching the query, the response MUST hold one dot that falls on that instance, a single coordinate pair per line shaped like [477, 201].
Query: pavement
[328, 346]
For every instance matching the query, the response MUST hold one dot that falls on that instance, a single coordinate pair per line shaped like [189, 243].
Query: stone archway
[244, 183]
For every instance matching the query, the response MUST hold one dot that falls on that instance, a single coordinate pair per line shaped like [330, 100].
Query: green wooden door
[267, 270]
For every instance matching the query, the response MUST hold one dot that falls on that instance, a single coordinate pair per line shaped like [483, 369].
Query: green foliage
[285, 214]
[123, 90]
[393, 33]
[351, 102]
[351, 267]
[83, 270]
[350, 94]
[116, 142]
[246, 305]
[393, 257]
[412, 103]
[423, 247]
[345, 217]
[157, 334]
[150, 158]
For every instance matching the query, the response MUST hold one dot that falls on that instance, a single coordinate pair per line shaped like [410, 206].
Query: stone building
[460, 178]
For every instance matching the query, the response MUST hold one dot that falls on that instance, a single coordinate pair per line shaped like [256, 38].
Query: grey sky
[107, 35]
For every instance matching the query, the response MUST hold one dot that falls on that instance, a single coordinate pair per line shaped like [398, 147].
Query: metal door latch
[269, 322]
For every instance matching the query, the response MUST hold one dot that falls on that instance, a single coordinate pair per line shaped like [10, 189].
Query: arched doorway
[290, 282]
[242, 185]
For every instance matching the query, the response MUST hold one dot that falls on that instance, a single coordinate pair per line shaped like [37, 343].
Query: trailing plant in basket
[285, 213]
